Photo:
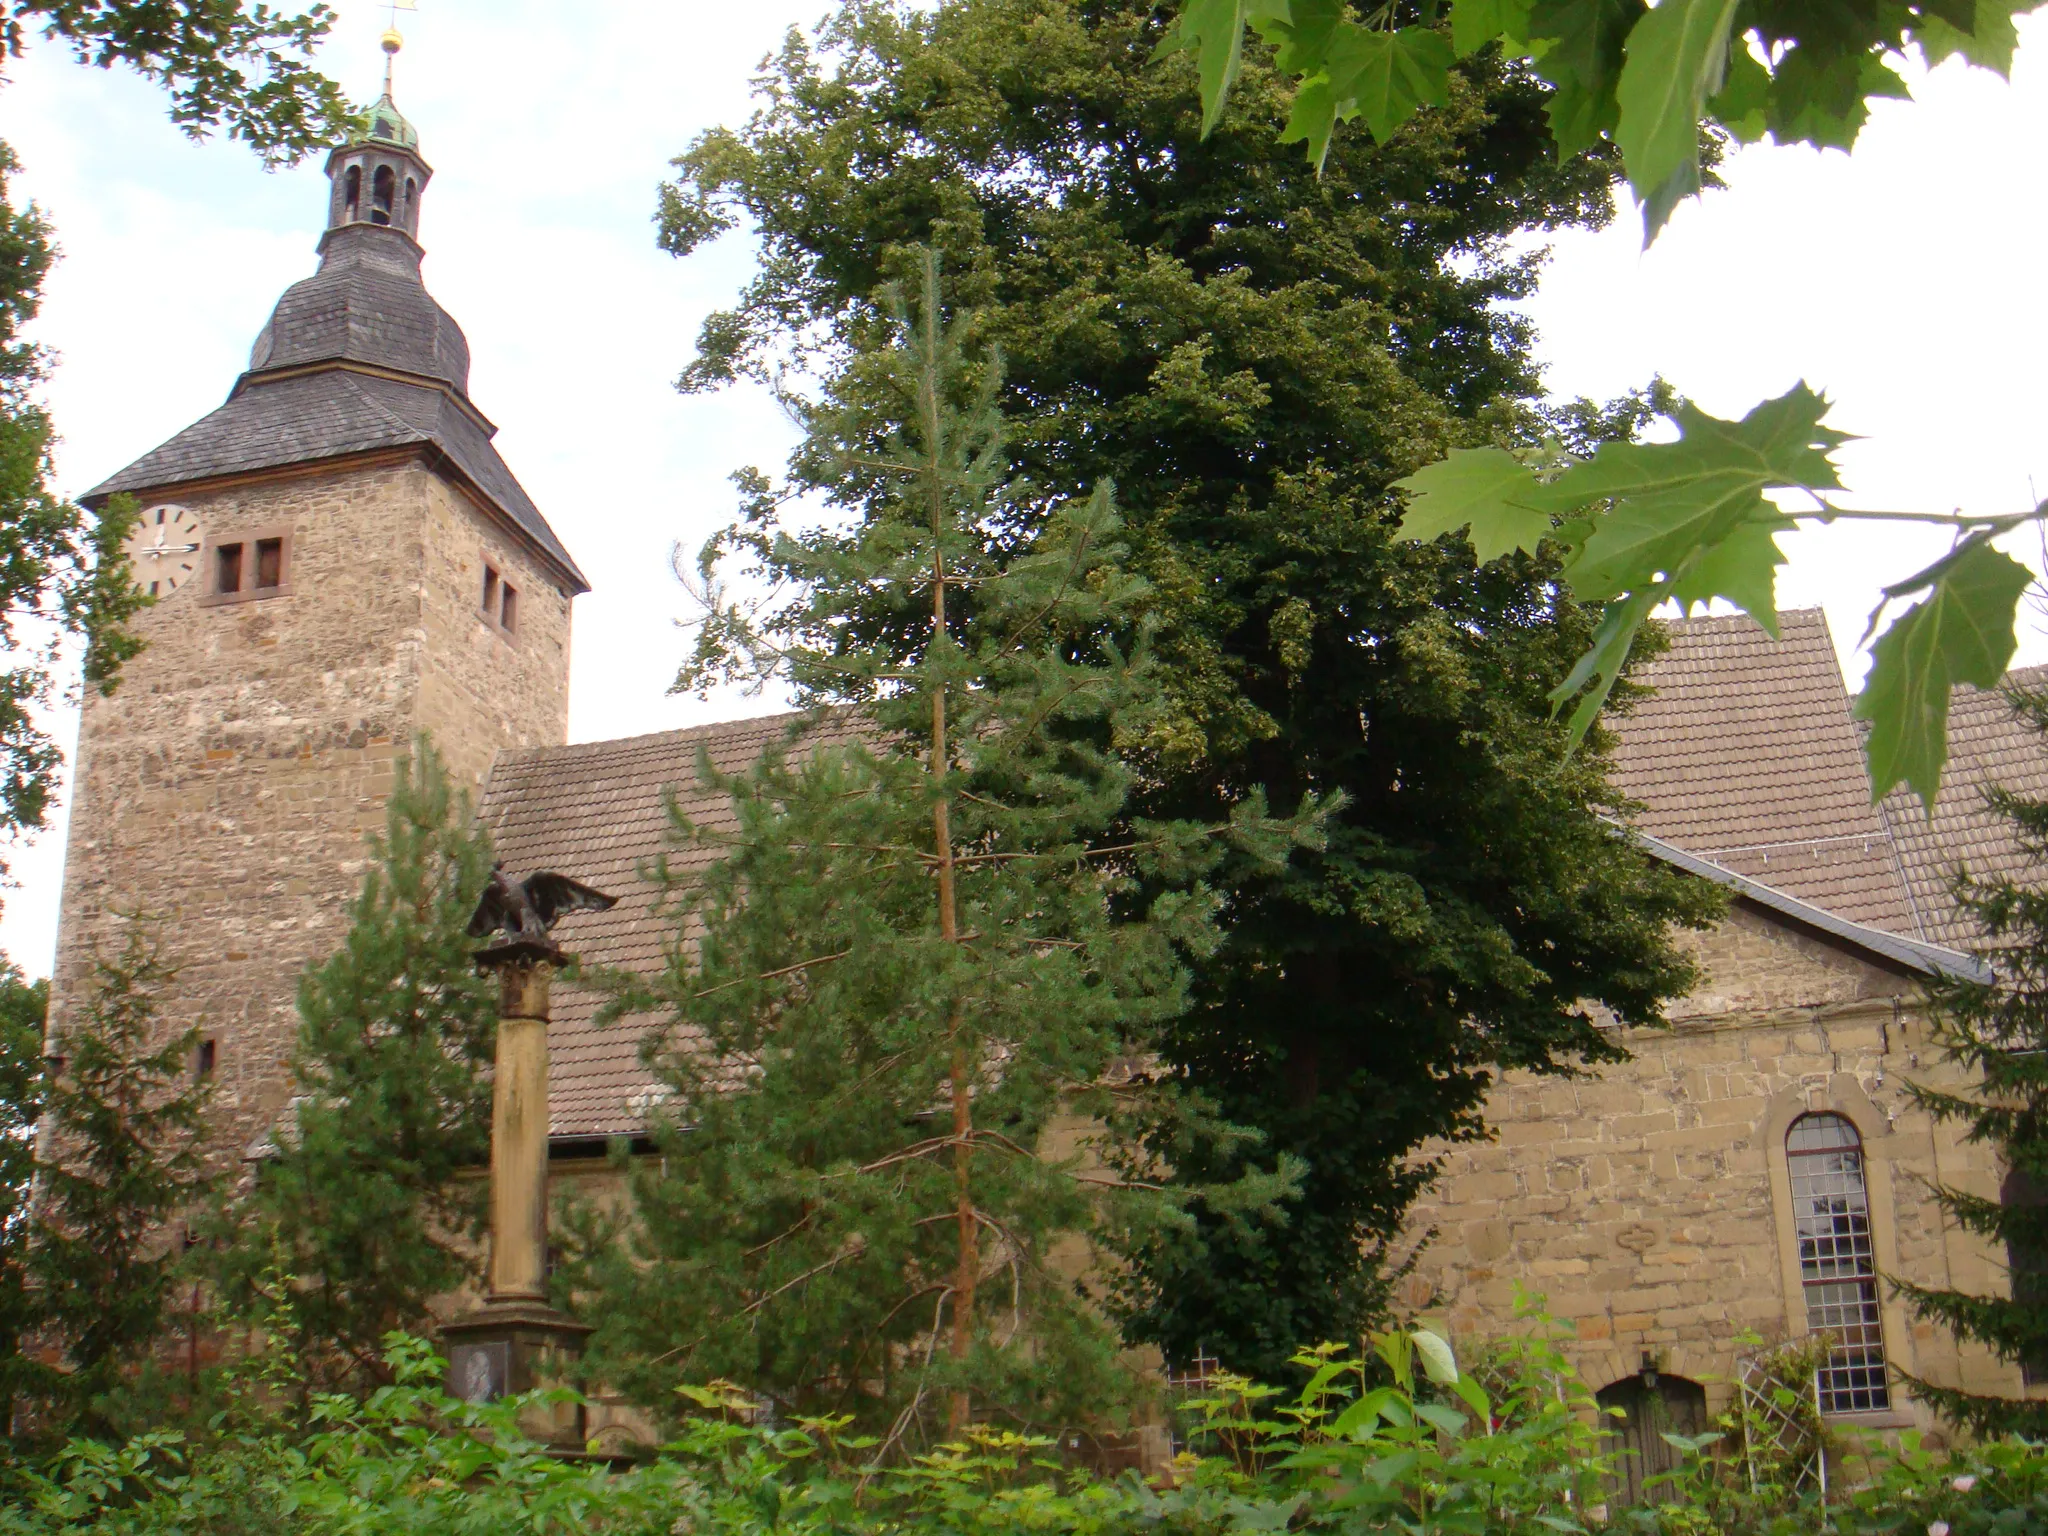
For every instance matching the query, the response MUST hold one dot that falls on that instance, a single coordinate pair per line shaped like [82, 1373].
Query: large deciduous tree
[1253, 353]
[228, 65]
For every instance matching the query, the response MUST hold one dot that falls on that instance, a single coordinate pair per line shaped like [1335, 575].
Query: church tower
[340, 559]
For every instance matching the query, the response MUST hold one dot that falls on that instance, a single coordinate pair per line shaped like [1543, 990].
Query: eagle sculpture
[522, 911]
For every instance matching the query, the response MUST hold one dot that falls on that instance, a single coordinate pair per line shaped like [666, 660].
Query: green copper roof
[388, 126]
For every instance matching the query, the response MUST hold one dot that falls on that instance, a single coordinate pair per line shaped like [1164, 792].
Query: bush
[1398, 1441]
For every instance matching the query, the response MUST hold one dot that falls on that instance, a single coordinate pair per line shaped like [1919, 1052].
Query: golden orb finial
[393, 40]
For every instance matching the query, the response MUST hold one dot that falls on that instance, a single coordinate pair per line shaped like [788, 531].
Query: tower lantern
[378, 175]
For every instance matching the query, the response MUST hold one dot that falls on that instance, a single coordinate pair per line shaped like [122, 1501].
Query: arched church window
[411, 190]
[383, 187]
[352, 189]
[1838, 1260]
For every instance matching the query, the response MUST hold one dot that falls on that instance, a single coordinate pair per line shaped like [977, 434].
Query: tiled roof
[1988, 745]
[1745, 759]
[597, 811]
[1911, 955]
[1746, 756]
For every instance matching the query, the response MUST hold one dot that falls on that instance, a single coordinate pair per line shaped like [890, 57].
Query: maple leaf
[1475, 23]
[1386, 77]
[1675, 59]
[1962, 632]
[1213, 30]
[1486, 490]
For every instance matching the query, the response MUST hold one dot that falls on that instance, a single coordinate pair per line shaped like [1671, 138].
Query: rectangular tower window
[508, 614]
[241, 567]
[227, 567]
[490, 602]
[203, 1060]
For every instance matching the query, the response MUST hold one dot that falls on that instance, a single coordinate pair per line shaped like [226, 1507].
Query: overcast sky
[1902, 281]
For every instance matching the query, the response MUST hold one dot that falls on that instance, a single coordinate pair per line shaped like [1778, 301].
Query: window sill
[1878, 1418]
[253, 595]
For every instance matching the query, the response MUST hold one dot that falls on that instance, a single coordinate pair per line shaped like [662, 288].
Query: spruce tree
[1996, 1031]
[361, 1208]
[120, 1159]
[1254, 349]
[901, 975]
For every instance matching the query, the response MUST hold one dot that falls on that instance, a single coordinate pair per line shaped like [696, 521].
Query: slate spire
[357, 358]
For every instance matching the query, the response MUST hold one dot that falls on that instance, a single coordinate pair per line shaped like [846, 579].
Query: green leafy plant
[1686, 522]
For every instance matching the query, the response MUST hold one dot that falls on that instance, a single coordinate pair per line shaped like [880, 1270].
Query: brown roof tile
[596, 811]
[1746, 755]
[1988, 745]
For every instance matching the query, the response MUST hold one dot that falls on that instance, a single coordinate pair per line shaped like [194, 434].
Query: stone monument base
[512, 1345]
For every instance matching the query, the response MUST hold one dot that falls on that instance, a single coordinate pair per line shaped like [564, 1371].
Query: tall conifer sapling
[1998, 1030]
[902, 973]
[361, 1204]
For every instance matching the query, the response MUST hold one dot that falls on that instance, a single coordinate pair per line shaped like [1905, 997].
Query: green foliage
[357, 1219]
[65, 580]
[120, 1157]
[1996, 1031]
[24, 1007]
[223, 62]
[63, 576]
[924, 945]
[1253, 354]
[1646, 77]
[1685, 521]
[1405, 1443]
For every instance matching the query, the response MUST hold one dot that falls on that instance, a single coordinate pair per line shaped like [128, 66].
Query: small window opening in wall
[203, 1060]
[352, 189]
[508, 613]
[490, 602]
[383, 187]
[227, 568]
[269, 562]
[1838, 1260]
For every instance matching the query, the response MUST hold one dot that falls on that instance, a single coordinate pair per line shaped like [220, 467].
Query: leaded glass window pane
[1837, 1261]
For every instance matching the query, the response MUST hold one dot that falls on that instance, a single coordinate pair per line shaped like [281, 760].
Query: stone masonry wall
[483, 691]
[1650, 1203]
[225, 790]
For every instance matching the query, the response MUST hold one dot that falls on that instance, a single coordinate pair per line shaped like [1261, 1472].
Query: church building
[341, 559]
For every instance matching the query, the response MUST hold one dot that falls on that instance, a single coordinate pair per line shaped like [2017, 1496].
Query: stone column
[515, 1341]
[519, 1135]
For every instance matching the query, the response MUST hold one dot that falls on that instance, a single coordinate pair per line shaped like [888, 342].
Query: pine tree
[1997, 1031]
[900, 974]
[361, 1207]
[120, 1159]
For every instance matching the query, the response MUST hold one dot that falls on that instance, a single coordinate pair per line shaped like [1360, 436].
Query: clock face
[164, 549]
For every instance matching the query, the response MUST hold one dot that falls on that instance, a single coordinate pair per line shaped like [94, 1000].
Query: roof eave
[1893, 950]
[437, 458]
